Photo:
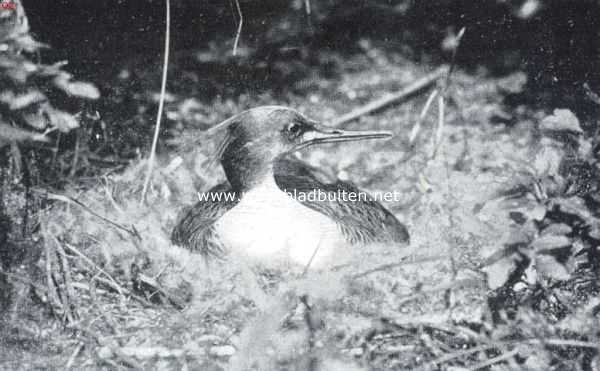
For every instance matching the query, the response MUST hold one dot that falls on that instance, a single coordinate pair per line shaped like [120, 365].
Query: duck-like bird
[273, 206]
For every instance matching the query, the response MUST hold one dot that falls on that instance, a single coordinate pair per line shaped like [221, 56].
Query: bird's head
[256, 138]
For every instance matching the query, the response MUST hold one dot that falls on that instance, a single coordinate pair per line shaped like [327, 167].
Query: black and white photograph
[300, 185]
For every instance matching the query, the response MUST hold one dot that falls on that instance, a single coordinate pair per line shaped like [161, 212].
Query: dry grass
[128, 298]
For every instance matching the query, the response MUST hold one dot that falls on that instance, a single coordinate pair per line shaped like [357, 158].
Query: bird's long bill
[320, 134]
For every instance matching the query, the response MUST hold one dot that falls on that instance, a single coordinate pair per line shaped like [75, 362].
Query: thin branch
[450, 356]
[497, 344]
[113, 282]
[69, 293]
[73, 356]
[238, 33]
[158, 289]
[442, 97]
[71, 200]
[417, 128]
[437, 139]
[24, 280]
[441, 287]
[380, 103]
[459, 37]
[51, 289]
[109, 282]
[110, 345]
[312, 257]
[75, 154]
[491, 361]
[161, 103]
[384, 267]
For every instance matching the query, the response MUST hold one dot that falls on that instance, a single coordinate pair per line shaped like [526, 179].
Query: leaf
[29, 44]
[499, 272]
[575, 206]
[547, 160]
[530, 211]
[514, 83]
[64, 121]
[561, 120]
[76, 88]
[551, 242]
[548, 266]
[594, 230]
[25, 100]
[10, 134]
[36, 120]
[500, 253]
[558, 229]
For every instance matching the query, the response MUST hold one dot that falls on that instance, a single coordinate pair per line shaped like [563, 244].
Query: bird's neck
[245, 171]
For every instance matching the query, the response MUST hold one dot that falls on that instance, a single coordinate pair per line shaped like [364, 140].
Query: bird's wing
[362, 221]
[195, 227]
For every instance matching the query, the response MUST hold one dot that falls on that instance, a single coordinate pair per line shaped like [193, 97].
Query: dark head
[256, 138]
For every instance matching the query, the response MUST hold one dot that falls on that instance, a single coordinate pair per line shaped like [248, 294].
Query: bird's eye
[293, 128]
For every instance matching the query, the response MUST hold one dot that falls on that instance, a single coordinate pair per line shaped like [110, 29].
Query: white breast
[268, 225]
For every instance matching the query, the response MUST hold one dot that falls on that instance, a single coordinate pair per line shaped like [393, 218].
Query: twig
[113, 282]
[24, 280]
[440, 129]
[161, 102]
[74, 356]
[377, 104]
[153, 283]
[239, 28]
[442, 92]
[494, 360]
[442, 98]
[76, 154]
[442, 287]
[125, 291]
[155, 352]
[459, 37]
[108, 192]
[69, 292]
[417, 128]
[498, 344]
[566, 343]
[312, 257]
[55, 150]
[114, 350]
[109, 282]
[51, 289]
[311, 325]
[71, 200]
[399, 264]
[448, 357]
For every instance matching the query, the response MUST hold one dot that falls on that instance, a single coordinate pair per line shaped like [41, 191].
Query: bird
[260, 212]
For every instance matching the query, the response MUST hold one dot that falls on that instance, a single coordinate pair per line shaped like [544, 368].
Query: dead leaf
[514, 83]
[25, 100]
[547, 160]
[548, 266]
[550, 242]
[28, 43]
[499, 272]
[10, 134]
[62, 120]
[76, 88]
[561, 120]
[557, 229]
[36, 120]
